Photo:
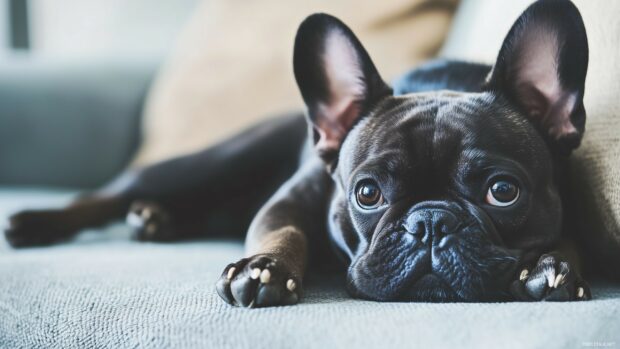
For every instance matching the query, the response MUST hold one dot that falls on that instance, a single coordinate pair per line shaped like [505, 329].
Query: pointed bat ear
[337, 80]
[542, 67]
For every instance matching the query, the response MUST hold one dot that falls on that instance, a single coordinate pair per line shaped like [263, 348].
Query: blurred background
[94, 29]
[74, 76]
[88, 88]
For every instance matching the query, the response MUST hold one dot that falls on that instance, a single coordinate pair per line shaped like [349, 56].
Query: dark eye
[502, 193]
[368, 195]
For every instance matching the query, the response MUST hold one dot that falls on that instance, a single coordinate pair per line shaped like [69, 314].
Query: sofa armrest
[68, 125]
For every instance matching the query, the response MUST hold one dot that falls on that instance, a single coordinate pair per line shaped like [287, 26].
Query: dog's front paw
[551, 279]
[259, 281]
[150, 222]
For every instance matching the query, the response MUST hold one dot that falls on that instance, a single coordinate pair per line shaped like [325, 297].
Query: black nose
[431, 223]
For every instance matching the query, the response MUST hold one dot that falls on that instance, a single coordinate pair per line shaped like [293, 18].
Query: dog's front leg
[277, 243]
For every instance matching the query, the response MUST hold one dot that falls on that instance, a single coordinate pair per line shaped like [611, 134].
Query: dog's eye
[368, 195]
[502, 193]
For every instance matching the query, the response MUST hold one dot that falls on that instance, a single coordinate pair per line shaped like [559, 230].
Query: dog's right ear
[338, 81]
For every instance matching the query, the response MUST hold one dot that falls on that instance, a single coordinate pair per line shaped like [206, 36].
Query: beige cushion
[597, 162]
[479, 28]
[232, 66]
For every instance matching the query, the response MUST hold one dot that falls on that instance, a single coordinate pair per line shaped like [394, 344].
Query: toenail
[134, 220]
[255, 273]
[290, 285]
[231, 273]
[146, 213]
[524, 275]
[265, 276]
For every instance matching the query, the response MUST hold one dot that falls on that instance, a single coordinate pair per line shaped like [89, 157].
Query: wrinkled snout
[438, 251]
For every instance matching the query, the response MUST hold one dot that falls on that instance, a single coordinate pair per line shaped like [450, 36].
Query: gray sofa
[74, 127]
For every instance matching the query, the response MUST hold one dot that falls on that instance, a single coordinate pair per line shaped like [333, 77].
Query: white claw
[290, 285]
[146, 214]
[231, 272]
[265, 276]
[550, 280]
[255, 273]
[524, 275]
[558, 280]
[134, 220]
[580, 292]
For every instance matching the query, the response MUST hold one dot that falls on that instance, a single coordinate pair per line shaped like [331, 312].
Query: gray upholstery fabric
[68, 123]
[104, 291]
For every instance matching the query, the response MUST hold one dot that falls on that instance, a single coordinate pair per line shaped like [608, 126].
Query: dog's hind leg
[217, 189]
[47, 226]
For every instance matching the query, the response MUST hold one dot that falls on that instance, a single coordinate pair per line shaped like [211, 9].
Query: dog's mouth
[429, 288]
[466, 266]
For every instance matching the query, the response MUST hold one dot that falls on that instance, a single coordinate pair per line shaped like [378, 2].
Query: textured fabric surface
[233, 64]
[480, 26]
[102, 291]
[597, 162]
[67, 123]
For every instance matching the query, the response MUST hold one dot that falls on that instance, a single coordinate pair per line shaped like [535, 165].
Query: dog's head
[440, 194]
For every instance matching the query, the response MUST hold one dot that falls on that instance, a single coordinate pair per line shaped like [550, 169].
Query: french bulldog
[448, 186]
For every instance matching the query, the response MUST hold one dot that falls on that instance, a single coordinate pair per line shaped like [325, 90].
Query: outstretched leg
[44, 227]
[217, 189]
[278, 242]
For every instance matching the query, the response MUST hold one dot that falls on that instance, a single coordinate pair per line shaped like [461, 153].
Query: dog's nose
[431, 223]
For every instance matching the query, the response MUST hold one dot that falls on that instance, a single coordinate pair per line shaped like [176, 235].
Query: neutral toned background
[233, 63]
[96, 30]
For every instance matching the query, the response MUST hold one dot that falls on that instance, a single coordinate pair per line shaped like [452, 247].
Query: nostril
[417, 229]
[444, 222]
[420, 228]
[418, 224]
[445, 229]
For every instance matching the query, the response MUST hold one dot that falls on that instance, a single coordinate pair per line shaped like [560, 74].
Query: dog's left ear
[542, 68]
[338, 81]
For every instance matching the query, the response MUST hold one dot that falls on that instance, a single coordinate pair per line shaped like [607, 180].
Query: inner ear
[542, 67]
[337, 80]
[537, 83]
[345, 91]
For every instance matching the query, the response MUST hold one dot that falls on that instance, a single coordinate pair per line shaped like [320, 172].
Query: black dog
[446, 188]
